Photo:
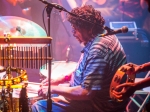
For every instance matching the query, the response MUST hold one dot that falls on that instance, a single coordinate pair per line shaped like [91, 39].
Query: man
[89, 83]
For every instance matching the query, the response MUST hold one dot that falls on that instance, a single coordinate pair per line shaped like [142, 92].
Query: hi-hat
[17, 26]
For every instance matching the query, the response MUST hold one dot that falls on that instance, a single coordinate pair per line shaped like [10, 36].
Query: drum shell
[32, 93]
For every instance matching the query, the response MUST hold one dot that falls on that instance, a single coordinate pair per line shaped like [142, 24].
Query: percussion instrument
[58, 68]
[25, 57]
[17, 26]
[119, 77]
[21, 28]
[32, 93]
[16, 30]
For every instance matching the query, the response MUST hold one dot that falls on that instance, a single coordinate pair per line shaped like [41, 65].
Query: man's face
[80, 33]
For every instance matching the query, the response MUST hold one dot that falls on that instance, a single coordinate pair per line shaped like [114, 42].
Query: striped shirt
[100, 59]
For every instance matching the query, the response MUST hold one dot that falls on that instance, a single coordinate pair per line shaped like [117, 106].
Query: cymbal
[21, 27]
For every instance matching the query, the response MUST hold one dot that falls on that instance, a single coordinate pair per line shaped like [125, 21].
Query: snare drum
[58, 68]
[32, 93]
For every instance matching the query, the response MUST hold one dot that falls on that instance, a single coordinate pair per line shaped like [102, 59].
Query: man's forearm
[144, 67]
[143, 83]
[72, 93]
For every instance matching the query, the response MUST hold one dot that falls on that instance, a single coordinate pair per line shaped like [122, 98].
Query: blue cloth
[41, 106]
[100, 59]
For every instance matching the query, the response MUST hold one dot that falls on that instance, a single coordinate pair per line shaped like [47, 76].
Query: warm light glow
[1, 83]
[22, 77]
[13, 2]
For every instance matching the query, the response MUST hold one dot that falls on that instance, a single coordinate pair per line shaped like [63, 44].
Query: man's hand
[44, 84]
[127, 90]
[133, 68]
[43, 91]
[55, 81]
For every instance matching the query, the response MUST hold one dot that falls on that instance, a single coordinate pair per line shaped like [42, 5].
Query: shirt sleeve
[95, 69]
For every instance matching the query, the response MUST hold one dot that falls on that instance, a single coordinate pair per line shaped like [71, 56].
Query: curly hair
[87, 15]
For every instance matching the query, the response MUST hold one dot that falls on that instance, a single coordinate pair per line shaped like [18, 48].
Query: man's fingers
[130, 64]
[44, 89]
[120, 86]
[124, 85]
[117, 96]
[115, 92]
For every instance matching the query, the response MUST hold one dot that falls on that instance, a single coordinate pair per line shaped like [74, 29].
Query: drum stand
[4, 101]
[7, 55]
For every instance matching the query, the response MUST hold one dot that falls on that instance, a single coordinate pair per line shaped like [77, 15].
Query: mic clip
[109, 31]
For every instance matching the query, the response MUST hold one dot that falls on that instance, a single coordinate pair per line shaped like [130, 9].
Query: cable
[44, 19]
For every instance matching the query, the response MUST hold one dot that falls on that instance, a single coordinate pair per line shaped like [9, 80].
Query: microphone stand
[49, 100]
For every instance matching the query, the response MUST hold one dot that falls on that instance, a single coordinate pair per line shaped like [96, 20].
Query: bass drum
[58, 68]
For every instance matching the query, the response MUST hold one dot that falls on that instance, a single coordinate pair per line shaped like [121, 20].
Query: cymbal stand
[5, 101]
[9, 90]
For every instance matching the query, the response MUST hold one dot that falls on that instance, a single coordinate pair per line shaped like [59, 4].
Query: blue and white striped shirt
[100, 59]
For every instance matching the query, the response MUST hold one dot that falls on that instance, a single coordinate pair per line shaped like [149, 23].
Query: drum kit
[24, 45]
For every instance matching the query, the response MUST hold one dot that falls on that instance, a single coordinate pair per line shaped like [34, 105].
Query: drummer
[89, 83]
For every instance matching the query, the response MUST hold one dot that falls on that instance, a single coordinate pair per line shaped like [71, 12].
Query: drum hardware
[9, 57]
[119, 77]
[23, 100]
[5, 101]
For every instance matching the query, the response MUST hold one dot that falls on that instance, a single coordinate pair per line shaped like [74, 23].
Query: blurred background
[117, 13]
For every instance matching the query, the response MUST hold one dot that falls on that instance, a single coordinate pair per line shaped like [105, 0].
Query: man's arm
[73, 93]
[59, 80]
[136, 68]
[130, 88]
[144, 67]
[142, 84]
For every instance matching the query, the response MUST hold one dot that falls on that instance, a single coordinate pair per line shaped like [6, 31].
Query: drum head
[32, 90]
[58, 68]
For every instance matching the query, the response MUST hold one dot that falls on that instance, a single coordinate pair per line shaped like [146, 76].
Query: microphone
[124, 29]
